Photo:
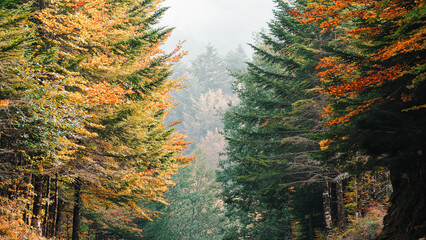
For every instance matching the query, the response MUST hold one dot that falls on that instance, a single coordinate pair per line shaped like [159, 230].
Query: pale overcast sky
[224, 23]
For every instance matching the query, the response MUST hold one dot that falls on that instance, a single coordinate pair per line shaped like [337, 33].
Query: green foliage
[84, 92]
[11, 4]
[195, 211]
[270, 136]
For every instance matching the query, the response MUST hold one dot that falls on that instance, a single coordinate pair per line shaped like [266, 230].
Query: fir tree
[375, 79]
[271, 135]
[84, 95]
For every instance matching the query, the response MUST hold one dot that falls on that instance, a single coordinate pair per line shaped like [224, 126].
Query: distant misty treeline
[207, 94]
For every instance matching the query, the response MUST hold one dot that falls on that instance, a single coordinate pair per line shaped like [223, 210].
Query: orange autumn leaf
[324, 144]
[4, 103]
[265, 123]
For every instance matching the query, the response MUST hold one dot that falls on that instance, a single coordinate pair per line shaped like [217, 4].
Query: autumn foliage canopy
[84, 92]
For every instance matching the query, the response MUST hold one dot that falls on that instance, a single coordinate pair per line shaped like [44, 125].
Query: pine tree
[271, 136]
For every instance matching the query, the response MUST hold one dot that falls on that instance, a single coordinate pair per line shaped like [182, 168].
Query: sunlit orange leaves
[88, 26]
[88, 80]
[4, 103]
[378, 34]
[351, 112]
[177, 53]
[331, 13]
[371, 78]
[324, 144]
[414, 42]
[104, 93]
[12, 226]
[106, 62]
[176, 143]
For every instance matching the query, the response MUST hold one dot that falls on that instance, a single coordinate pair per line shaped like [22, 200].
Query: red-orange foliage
[104, 93]
[386, 27]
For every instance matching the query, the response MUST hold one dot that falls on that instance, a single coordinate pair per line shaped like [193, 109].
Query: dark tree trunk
[311, 232]
[38, 190]
[58, 217]
[47, 208]
[77, 209]
[358, 200]
[55, 208]
[406, 217]
[340, 204]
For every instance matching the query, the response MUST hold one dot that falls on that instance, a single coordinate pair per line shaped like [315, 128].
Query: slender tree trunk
[77, 209]
[55, 208]
[326, 198]
[60, 207]
[38, 190]
[357, 198]
[47, 208]
[340, 204]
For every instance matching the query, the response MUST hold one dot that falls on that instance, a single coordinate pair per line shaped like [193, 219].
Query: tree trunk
[38, 190]
[58, 217]
[340, 204]
[77, 209]
[357, 201]
[406, 218]
[326, 199]
[46, 214]
[55, 208]
[311, 232]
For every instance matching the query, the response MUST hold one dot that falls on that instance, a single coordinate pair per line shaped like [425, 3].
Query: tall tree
[271, 135]
[85, 92]
[376, 82]
[211, 69]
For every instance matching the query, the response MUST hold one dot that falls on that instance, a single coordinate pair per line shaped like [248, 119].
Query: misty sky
[224, 23]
